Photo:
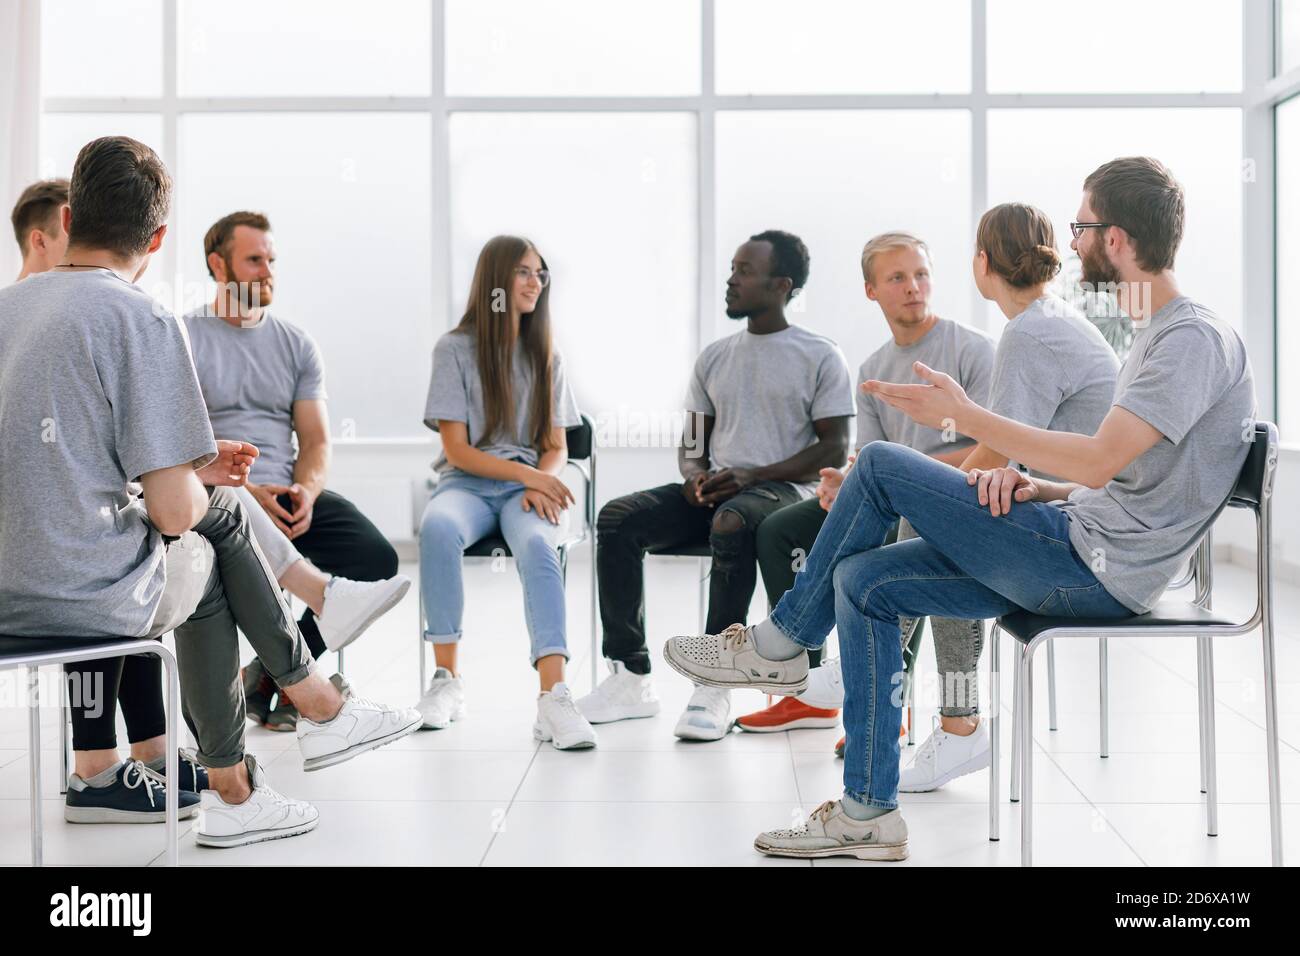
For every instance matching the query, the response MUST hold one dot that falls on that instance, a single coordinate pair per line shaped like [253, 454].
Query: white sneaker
[360, 725]
[825, 686]
[620, 696]
[265, 815]
[944, 757]
[443, 701]
[707, 715]
[731, 659]
[560, 721]
[829, 831]
[352, 606]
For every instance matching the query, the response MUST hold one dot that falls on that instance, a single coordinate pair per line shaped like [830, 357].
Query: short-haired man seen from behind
[1134, 500]
[767, 408]
[897, 275]
[38, 225]
[97, 391]
[263, 379]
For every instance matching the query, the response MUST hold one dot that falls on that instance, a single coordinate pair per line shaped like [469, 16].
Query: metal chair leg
[911, 710]
[995, 717]
[34, 758]
[1017, 715]
[172, 765]
[705, 568]
[1103, 671]
[340, 659]
[1025, 712]
[595, 618]
[65, 743]
[1200, 707]
[1051, 685]
[1208, 733]
[1270, 734]
[423, 674]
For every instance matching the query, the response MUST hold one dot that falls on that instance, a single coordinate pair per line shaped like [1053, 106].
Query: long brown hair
[1020, 244]
[487, 319]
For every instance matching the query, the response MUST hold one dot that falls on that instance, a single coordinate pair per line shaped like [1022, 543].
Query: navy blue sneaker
[138, 795]
[194, 776]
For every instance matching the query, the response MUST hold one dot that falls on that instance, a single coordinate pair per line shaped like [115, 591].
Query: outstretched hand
[936, 404]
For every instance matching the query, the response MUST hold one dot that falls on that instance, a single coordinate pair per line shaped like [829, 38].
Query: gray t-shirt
[765, 391]
[96, 389]
[251, 376]
[949, 347]
[1053, 370]
[456, 395]
[1189, 377]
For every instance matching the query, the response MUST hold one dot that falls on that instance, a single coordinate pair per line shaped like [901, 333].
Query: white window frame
[1260, 94]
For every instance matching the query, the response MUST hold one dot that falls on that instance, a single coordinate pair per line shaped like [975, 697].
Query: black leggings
[96, 688]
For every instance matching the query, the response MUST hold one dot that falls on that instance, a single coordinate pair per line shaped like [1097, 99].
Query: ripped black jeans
[660, 517]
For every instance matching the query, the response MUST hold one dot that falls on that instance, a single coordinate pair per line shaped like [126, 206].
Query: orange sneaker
[788, 713]
[839, 746]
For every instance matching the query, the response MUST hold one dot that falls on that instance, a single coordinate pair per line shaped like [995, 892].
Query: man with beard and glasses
[1133, 501]
[263, 380]
[768, 407]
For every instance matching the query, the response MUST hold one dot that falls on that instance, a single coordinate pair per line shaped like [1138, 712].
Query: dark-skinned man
[768, 407]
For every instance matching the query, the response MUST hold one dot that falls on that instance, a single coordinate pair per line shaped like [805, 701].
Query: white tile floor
[484, 792]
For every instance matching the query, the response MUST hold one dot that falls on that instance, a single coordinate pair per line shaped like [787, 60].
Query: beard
[1096, 269]
[252, 295]
[737, 312]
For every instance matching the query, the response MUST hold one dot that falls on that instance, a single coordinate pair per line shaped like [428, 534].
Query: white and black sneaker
[265, 815]
[136, 794]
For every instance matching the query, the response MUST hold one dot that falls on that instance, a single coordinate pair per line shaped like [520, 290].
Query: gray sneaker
[730, 659]
[829, 831]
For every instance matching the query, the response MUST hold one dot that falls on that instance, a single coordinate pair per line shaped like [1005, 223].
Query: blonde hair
[885, 242]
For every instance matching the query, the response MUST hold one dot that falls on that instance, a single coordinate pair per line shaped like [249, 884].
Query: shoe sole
[876, 852]
[784, 690]
[427, 725]
[109, 815]
[645, 710]
[342, 756]
[802, 723]
[699, 734]
[542, 736]
[380, 609]
[970, 766]
[256, 836]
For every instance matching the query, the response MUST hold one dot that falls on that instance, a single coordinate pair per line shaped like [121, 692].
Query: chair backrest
[1255, 483]
[581, 439]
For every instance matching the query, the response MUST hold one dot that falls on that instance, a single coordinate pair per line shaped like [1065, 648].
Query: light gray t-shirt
[456, 395]
[949, 347]
[1189, 377]
[1053, 370]
[96, 389]
[251, 376]
[765, 391]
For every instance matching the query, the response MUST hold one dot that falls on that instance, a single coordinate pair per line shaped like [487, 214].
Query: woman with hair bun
[1053, 369]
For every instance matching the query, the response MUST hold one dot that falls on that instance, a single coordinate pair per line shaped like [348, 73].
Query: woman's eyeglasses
[542, 275]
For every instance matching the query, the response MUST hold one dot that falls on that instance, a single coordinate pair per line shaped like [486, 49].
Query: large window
[1288, 254]
[638, 144]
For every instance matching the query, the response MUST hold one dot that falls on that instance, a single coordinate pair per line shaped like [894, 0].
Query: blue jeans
[465, 509]
[966, 564]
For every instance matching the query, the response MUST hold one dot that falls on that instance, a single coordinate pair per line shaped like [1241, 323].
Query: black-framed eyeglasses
[1076, 228]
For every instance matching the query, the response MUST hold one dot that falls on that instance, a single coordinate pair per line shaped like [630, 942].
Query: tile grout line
[1218, 702]
[510, 803]
[1088, 800]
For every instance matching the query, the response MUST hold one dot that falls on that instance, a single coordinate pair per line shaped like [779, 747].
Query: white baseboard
[1285, 572]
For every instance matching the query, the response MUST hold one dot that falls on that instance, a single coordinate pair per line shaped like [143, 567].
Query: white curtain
[20, 110]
